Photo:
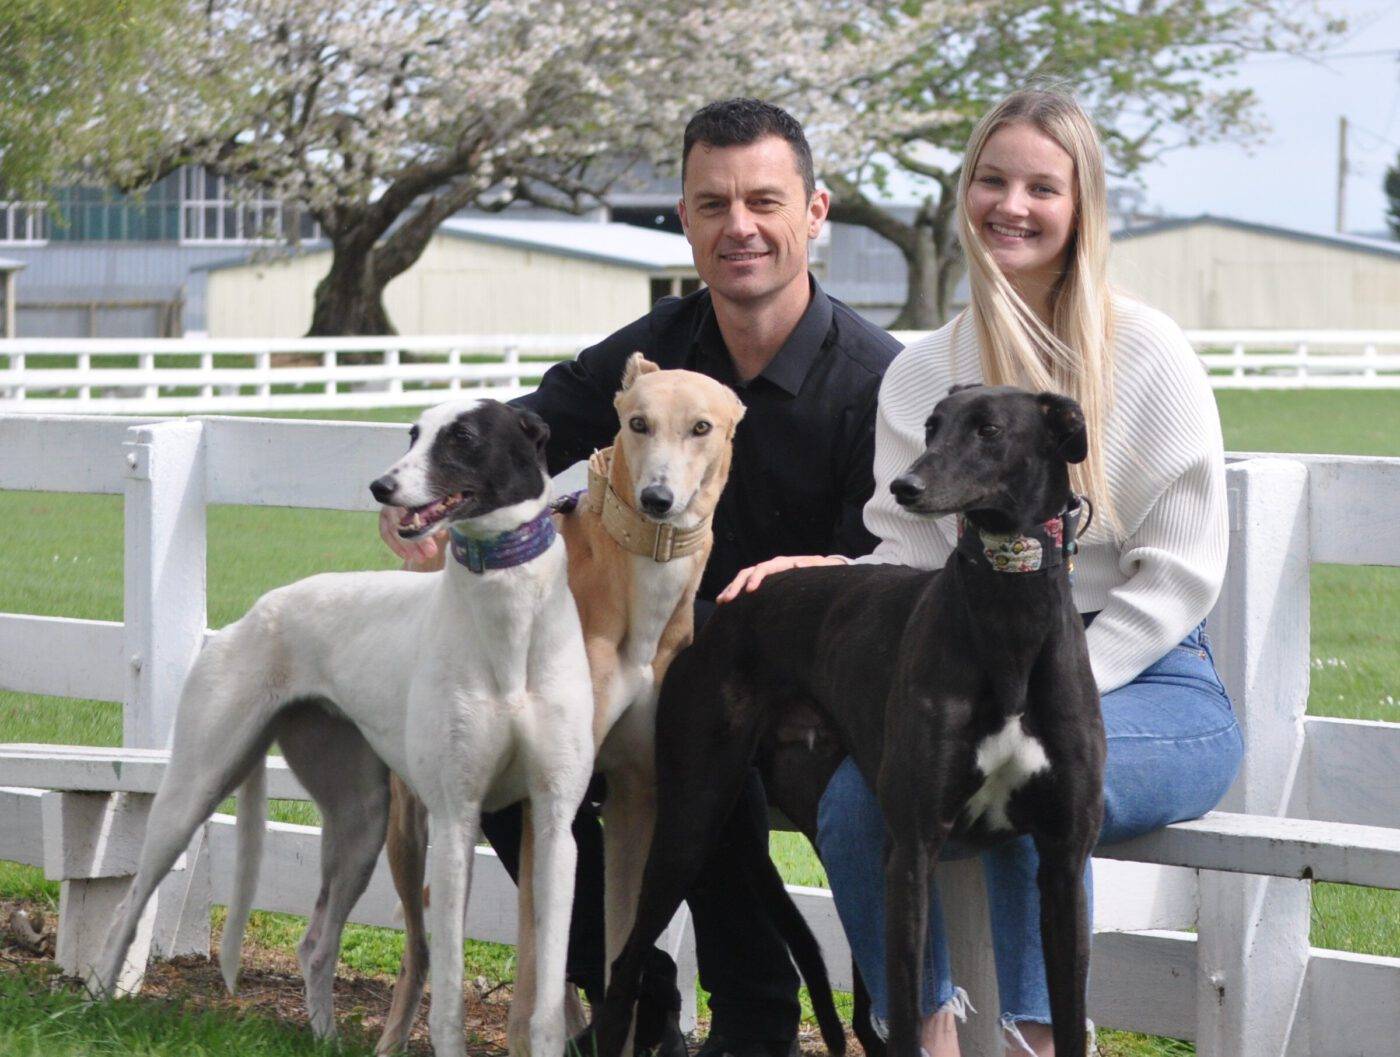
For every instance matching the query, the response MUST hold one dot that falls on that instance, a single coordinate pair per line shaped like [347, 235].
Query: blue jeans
[1173, 750]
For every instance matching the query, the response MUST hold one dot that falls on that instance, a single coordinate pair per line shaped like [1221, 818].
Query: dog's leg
[861, 1023]
[629, 812]
[693, 802]
[907, 877]
[351, 786]
[251, 835]
[1064, 933]
[219, 735]
[556, 857]
[454, 838]
[913, 786]
[408, 860]
[523, 1002]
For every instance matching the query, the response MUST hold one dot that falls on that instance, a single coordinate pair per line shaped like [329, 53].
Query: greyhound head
[475, 461]
[997, 454]
[672, 453]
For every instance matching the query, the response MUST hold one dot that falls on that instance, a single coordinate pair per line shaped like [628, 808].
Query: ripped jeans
[1173, 750]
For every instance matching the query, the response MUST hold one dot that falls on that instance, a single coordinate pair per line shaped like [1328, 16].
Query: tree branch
[850, 206]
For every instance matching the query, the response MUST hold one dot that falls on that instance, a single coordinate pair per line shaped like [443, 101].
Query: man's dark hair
[739, 122]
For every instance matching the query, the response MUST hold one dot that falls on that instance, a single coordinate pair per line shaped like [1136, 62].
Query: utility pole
[1341, 174]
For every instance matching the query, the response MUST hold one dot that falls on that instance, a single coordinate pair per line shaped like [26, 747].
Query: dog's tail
[806, 951]
[252, 825]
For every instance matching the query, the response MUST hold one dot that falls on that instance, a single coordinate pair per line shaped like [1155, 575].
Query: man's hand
[749, 579]
[424, 555]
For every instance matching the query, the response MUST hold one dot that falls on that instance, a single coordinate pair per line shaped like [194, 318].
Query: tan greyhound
[637, 544]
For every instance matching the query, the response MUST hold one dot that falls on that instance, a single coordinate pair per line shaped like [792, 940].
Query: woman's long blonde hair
[1074, 354]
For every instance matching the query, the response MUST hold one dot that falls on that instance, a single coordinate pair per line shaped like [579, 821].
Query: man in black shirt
[808, 370]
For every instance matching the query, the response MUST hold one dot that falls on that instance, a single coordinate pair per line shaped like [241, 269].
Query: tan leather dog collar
[633, 532]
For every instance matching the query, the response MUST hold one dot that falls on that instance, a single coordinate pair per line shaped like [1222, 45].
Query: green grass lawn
[63, 557]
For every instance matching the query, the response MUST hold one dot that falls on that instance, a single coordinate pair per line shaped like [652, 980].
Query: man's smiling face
[748, 218]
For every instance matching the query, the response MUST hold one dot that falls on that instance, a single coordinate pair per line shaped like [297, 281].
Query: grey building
[102, 264]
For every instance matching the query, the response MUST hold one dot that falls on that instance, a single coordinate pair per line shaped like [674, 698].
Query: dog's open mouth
[421, 519]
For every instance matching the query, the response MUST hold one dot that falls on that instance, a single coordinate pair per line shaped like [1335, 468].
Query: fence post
[1252, 943]
[1238, 354]
[512, 360]
[679, 942]
[146, 361]
[165, 618]
[262, 363]
[454, 361]
[391, 371]
[328, 361]
[17, 365]
[206, 364]
[963, 893]
[1369, 354]
[1302, 371]
[84, 367]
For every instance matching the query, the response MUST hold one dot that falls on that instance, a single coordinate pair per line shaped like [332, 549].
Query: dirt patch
[270, 986]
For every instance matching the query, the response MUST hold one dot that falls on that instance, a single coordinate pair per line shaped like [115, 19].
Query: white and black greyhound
[471, 684]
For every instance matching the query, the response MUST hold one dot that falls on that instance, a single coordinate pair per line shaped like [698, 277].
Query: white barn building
[1211, 272]
[476, 276]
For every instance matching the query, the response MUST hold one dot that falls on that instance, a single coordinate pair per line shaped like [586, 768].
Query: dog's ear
[535, 428]
[637, 365]
[1065, 422]
[738, 408]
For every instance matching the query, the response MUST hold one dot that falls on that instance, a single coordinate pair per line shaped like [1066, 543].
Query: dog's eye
[637, 424]
[463, 432]
[988, 430]
[701, 428]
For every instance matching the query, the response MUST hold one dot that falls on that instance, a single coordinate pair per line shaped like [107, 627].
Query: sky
[1291, 179]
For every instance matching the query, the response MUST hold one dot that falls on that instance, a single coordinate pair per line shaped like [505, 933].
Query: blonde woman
[1034, 228]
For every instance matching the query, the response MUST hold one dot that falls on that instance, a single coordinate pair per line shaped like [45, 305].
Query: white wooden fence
[1209, 953]
[161, 376]
[182, 375]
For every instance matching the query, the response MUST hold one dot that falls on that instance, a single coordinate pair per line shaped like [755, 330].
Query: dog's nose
[383, 488]
[907, 488]
[657, 499]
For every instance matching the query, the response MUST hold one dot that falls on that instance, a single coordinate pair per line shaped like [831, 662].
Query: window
[212, 212]
[24, 222]
[672, 287]
[95, 214]
[189, 205]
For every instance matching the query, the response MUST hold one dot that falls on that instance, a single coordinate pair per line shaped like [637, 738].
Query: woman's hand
[423, 555]
[749, 579]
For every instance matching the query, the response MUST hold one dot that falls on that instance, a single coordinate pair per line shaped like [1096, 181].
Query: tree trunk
[350, 299]
[922, 310]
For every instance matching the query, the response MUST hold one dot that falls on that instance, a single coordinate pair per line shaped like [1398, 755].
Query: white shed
[1212, 272]
[476, 276]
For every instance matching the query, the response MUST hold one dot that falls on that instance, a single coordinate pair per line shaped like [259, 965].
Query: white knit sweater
[1166, 477]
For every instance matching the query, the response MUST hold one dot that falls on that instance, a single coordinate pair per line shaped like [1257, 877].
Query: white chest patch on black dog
[1007, 759]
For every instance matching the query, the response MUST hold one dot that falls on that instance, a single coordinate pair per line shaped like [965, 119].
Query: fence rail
[1220, 958]
[183, 375]
[193, 375]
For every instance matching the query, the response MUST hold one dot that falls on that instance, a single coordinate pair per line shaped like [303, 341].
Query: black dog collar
[1049, 544]
[511, 548]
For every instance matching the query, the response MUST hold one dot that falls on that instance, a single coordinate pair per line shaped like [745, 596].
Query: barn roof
[1381, 247]
[624, 245]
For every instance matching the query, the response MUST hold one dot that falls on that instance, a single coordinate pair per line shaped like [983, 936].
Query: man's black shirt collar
[789, 366]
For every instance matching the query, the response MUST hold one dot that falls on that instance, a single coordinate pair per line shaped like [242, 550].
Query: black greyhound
[964, 695]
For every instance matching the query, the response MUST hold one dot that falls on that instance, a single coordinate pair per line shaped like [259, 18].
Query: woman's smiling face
[1021, 202]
